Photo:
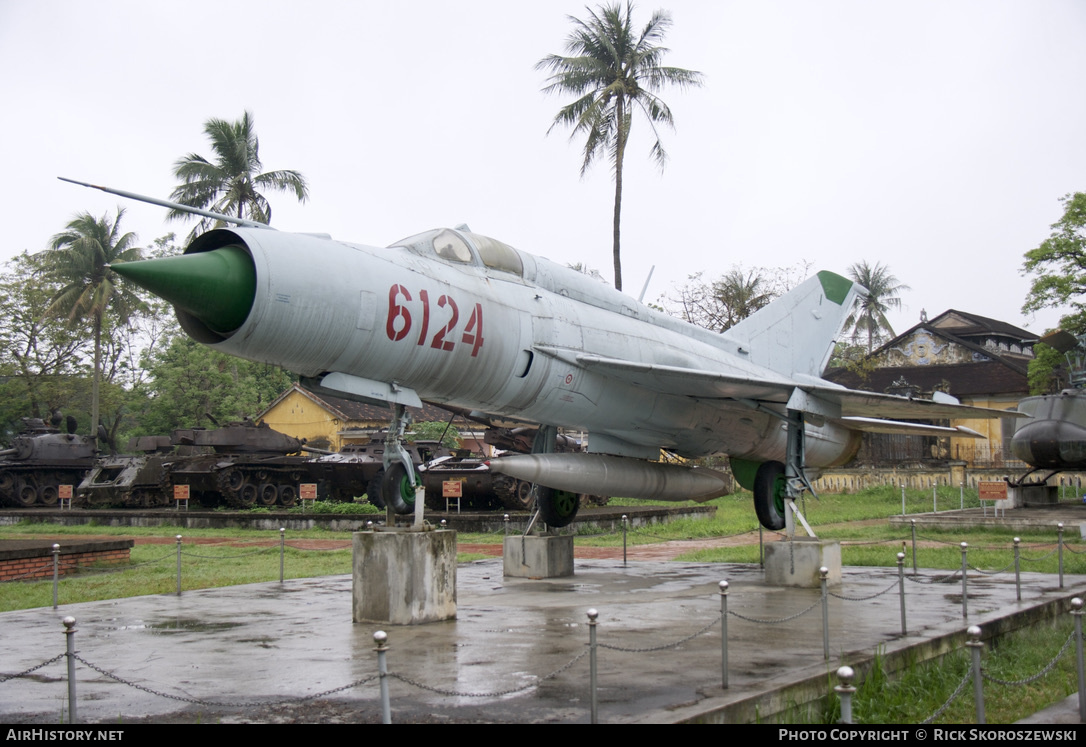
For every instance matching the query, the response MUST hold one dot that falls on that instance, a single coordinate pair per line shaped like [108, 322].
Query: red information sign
[452, 488]
[992, 491]
[64, 492]
[180, 492]
[308, 491]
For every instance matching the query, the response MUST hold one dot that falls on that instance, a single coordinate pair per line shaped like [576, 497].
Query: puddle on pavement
[185, 625]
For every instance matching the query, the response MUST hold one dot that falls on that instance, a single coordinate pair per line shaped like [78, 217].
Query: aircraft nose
[217, 287]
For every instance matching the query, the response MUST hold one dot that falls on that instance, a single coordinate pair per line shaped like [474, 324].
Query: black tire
[373, 490]
[26, 492]
[520, 498]
[769, 492]
[247, 494]
[397, 491]
[288, 495]
[557, 507]
[267, 494]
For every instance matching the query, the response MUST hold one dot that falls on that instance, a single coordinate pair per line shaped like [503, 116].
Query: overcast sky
[935, 136]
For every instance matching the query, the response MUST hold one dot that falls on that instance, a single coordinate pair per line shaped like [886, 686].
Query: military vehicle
[242, 464]
[136, 479]
[41, 459]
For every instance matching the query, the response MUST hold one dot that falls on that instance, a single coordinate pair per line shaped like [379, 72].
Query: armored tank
[41, 459]
[242, 464]
[136, 479]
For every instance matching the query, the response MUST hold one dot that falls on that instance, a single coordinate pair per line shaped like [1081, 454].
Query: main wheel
[557, 507]
[397, 491]
[373, 489]
[247, 493]
[267, 494]
[769, 494]
[26, 491]
[520, 498]
[288, 495]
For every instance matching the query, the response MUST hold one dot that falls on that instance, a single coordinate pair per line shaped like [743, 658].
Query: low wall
[29, 559]
[853, 480]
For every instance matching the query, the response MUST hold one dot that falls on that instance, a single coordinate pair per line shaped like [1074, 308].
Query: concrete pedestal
[1033, 495]
[796, 562]
[538, 557]
[404, 578]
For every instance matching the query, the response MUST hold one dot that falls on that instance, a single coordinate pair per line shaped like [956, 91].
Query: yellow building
[329, 422]
[980, 361]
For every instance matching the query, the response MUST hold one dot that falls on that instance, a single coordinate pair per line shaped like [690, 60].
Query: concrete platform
[515, 653]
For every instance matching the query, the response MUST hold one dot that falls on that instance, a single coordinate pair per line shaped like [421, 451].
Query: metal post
[179, 565]
[823, 572]
[56, 572]
[505, 525]
[1017, 571]
[934, 498]
[625, 521]
[845, 690]
[1076, 610]
[975, 643]
[1059, 546]
[965, 584]
[914, 546]
[902, 499]
[761, 547]
[69, 635]
[962, 495]
[282, 550]
[381, 639]
[723, 634]
[901, 587]
[592, 615]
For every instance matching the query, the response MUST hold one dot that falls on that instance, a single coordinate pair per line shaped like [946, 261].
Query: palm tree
[230, 185]
[869, 314]
[78, 261]
[739, 294]
[614, 70]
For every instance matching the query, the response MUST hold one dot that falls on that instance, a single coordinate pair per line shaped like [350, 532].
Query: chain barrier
[918, 579]
[25, 672]
[958, 691]
[1039, 675]
[664, 646]
[887, 590]
[218, 704]
[494, 693]
[771, 621]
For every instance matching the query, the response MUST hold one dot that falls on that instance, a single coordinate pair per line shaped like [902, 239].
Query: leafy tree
[432, 430]
[722, 303]
[186, 381]
[78, 261]
[614, 70]
[868, 317]
[38, 357]
[231, 184]
[1059, 264]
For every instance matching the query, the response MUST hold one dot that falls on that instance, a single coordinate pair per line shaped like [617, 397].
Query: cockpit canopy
[467, 248]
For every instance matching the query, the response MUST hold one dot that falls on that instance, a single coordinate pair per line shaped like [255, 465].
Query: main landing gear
[777, 485]
[397, 485]
[556, 508]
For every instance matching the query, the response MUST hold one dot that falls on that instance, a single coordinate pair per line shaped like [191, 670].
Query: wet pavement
[516, 653]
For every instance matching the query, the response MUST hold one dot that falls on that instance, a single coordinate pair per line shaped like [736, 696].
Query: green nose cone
[216, 287]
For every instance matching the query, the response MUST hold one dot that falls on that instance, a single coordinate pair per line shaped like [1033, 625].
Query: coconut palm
[78, 261]
[869, 315]
[613, 71]
[230, 185]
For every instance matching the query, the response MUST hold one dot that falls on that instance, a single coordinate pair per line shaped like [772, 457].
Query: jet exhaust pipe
[600, 474]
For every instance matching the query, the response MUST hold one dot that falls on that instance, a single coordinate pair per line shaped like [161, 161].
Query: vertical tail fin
[795, 334]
